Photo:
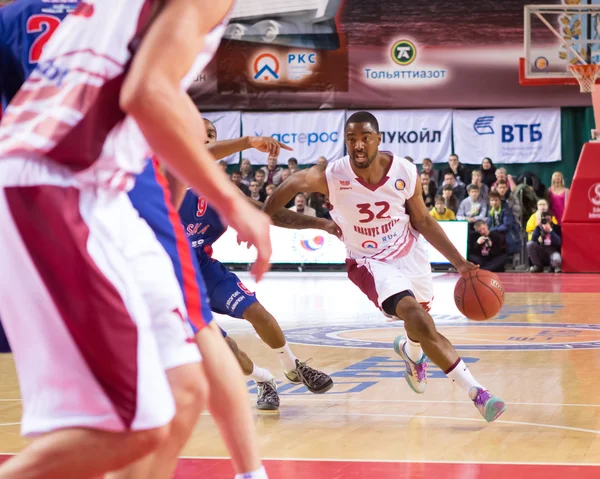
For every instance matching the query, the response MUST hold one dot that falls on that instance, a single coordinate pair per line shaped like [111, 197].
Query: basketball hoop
[586, 75]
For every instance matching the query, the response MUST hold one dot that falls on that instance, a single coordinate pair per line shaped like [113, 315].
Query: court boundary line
[388, 461]
[404, 461]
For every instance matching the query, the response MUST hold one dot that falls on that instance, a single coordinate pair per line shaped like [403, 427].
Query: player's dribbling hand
[253, 227]
[268, 145]
[465, 267]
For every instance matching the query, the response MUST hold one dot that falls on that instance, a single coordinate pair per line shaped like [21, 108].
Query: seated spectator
[449, 199]
[502, 220]
[259, 176]
[440, 212]
[236, 177]
[223, 165]
[508, 199]
[557, 195]
[536, 218]
[501, 175]
[428, 190]
[427, 167]
[477, 179]
[472, 208]
[269, 190]
[458, 189]
[488, 170]
[409, 159]
[322, 161]
[246, 171]
[544, 247]
[256, 192]
[301, 207]
[460, 171]
[488, 251]
[293, 165]
[272, 171]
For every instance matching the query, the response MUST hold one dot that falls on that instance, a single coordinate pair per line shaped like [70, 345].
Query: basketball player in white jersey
[377, 203]
[107, 377]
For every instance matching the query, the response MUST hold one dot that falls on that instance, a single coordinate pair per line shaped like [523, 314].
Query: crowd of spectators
[508, 217]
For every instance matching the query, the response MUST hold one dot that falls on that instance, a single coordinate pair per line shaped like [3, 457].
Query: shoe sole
[267, 407]
[323, 390]
[407, 376]
[490, 410]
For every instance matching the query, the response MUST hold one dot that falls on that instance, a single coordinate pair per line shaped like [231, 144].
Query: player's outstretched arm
[266, 144]
[312, 180]
[288, 219]
[152, 95]
[425, 224]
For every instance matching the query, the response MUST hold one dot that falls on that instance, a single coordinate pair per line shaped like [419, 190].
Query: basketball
[480, 296]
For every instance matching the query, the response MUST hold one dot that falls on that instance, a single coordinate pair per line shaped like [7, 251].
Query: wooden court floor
[541, 355]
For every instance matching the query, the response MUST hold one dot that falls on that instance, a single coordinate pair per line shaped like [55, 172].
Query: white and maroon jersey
[373, 218]
[68, 110]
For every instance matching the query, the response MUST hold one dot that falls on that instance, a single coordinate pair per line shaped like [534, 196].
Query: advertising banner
[507, 136]
[318, 247]
[310, 133]
[351, 54]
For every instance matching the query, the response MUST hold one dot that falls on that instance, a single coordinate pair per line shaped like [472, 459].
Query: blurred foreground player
[378, 205]
[150, 197]
[227, 293]
[64, 170]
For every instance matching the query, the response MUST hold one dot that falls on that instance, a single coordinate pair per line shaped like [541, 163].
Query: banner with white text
[309, 133]
[507, 136]
[228, 125]
[416, 133]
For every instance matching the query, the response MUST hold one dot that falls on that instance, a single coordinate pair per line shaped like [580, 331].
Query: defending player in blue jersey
[227, 293]
[25, 27]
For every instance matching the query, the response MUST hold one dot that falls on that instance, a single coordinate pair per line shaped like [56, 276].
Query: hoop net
[586, 75]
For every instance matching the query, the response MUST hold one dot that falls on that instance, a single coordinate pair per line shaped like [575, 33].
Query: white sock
[462, 377]
[413, 350]
[258, 474]
[260, 375]
[286, 357]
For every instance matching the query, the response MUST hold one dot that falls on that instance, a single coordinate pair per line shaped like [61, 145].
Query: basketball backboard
[556, 37]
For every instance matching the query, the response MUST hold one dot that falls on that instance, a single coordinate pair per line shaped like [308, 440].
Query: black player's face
[211, 132]
[362, 141]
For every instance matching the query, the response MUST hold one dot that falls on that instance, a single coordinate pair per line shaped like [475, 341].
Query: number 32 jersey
[373, 218]
[25, 27]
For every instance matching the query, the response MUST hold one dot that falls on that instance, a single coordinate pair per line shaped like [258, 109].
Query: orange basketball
[480, 296]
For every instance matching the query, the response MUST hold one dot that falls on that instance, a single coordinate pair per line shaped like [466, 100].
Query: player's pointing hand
[268, 145]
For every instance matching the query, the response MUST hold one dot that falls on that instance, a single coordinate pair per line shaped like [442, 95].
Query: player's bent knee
[190, 390]
[141, 443]
[390, 305]
[256, 313]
